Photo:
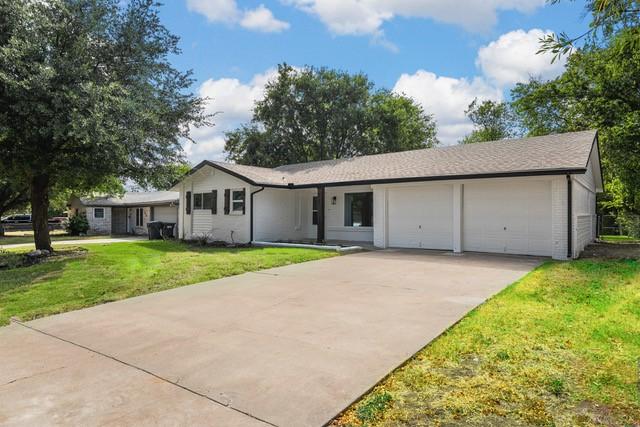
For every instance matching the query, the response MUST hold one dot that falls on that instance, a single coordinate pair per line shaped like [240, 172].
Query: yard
[19, 237]
[84, 277]
[559, 347]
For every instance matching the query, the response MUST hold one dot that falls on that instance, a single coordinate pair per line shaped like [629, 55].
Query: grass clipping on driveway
[116, 271]
[558, 348]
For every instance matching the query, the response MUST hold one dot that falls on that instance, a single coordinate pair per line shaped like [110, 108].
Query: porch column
[458, 198]
[320, 226]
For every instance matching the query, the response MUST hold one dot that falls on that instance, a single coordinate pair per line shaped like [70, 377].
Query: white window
[139, 217]
[237, 201]
[98, 212]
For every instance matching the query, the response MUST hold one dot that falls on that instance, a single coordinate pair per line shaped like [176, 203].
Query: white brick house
[533, 196]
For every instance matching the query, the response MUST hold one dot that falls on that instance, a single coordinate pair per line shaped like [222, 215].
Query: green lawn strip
[110, 272]
[619, 239]
[13, 240]
[558, 348]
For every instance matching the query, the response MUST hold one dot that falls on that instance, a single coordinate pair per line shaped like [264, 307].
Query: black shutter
[152, 213]
[244, 201]
[227, 195]
[214, 202]
[187, 202]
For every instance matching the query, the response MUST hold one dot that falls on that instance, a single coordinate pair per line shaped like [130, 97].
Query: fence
[610, 225]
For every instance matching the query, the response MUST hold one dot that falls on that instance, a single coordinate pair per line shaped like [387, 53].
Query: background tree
[317, 114]
[598, 90]
[608, 18]
[87, 92]
[492, 121]
[13, 197]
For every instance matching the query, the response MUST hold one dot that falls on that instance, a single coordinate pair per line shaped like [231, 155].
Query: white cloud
[446, 98]
[233, 102]
[359, 17]
[216, 10]
[259, 19]
[512, 58]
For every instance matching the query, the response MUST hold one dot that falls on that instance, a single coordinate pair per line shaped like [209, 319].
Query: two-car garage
[495, 216]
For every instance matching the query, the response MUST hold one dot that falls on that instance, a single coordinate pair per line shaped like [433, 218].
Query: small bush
[77, 225]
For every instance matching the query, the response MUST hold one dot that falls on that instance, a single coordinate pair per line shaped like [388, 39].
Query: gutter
[251, 214]
[569, 218]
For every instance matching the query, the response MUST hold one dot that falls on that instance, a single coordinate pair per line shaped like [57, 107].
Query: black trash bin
[168, 230]
[155, 230]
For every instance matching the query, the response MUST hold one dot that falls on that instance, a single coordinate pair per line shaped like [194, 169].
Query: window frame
[95, 213]
[314, 210]
[233, 201]
[197, 201]
[348, 210]
[140, 217]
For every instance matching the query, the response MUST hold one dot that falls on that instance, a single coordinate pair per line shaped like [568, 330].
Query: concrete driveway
[290, 346]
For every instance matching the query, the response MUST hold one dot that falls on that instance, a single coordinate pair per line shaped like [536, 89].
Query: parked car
[17, 219]
[58, 220]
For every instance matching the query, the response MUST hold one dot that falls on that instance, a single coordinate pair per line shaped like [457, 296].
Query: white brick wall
[559, 217]
[99, 225]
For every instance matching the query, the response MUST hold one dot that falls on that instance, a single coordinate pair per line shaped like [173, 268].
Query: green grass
[110, 272]
[12, 238]
[561, 347]
[619, 239]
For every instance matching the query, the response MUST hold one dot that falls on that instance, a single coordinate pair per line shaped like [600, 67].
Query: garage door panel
[421, 217]
[508, 217]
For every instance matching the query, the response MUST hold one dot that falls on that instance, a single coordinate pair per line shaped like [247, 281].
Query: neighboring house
[534, 196]
[128, 214]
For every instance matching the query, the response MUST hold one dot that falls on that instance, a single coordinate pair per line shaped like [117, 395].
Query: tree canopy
[492, 121]
[317, 114]
[87, 92]
[598, 90]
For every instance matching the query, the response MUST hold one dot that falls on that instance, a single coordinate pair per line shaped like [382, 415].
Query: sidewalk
[79, 242]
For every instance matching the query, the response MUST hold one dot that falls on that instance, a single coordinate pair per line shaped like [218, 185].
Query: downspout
[251, 215]
[569, 219]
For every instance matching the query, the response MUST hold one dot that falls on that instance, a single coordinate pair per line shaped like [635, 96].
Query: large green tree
[492, 121]
[87, 93]
[317, 114]
[608, 18]
[600, 89]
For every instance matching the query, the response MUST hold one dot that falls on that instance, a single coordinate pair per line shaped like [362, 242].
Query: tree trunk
[40, 211]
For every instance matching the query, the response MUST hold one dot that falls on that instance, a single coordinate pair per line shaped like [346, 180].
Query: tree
[12, 197]
[492, 121]
[598, 90]
[317, 114]
[608, 18]
[86, 93]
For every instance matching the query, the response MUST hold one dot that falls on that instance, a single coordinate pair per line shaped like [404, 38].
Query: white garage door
[508, 218]
[165, 213]
[421, 217]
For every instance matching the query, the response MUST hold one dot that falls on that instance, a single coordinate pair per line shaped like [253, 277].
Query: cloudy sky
[443, 53]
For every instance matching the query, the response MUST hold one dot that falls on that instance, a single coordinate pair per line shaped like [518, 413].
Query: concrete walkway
[79, 242]
[290, 346]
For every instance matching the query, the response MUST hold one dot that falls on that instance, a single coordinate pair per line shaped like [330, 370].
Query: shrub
[630, 223]
[77, 224]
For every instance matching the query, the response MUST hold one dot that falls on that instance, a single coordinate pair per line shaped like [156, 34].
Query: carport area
[289, 346]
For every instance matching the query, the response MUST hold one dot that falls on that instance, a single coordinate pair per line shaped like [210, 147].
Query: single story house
[128, 214]
[532, 196]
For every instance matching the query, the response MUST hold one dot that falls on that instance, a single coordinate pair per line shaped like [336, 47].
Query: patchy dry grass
[558, 348]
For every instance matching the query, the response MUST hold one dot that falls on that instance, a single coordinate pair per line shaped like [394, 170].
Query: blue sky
[442, 53]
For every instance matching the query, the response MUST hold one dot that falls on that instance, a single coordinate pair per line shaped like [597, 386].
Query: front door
[118, 221]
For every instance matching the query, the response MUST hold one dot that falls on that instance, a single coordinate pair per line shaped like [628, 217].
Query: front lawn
[110, 272]
[619, 239]
[19, 237]
[561, 347]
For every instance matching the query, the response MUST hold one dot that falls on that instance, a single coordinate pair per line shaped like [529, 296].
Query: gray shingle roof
[148, 198]
[535, 155]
